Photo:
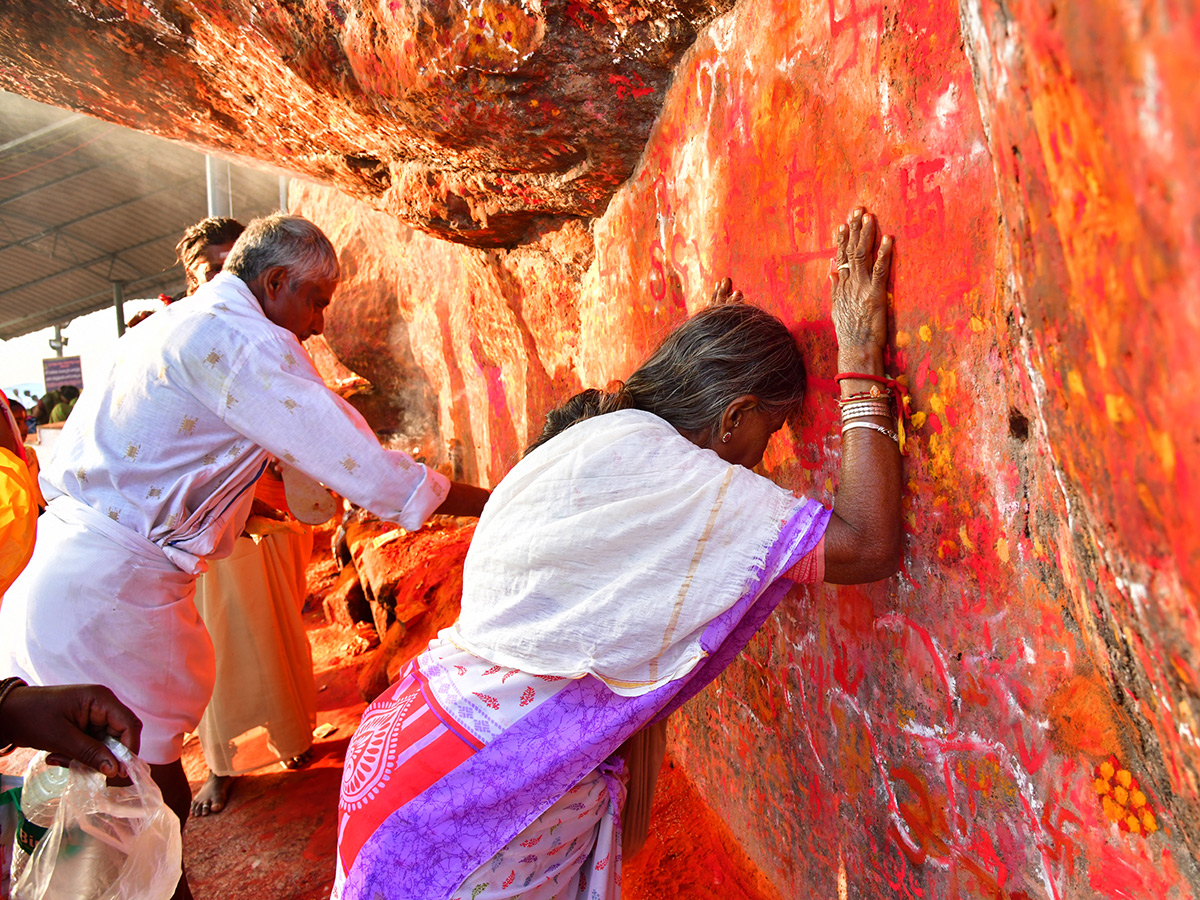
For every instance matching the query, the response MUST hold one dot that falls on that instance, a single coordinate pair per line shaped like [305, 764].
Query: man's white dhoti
[121, 615]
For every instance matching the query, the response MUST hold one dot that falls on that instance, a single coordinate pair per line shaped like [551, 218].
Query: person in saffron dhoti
[153, 475]
[617, 569]
[264, 701]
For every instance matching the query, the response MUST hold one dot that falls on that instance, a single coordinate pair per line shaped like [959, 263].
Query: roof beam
[44, 317]
[86, 267]
[17, 143]
[48, 230]
[49, 184]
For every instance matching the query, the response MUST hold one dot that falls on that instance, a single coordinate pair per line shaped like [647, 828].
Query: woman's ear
[733, 415]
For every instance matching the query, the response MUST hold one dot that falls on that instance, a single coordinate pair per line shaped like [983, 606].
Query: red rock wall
[973, 727]
[1014, 715]
[423, 108]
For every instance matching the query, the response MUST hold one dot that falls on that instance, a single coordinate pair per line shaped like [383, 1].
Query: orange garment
[18, 518]
[269, 489]
[35, 469]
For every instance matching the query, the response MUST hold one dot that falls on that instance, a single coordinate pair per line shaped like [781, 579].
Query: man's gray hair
[292, 242]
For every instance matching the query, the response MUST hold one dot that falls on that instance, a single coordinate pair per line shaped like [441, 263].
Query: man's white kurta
[166, 450]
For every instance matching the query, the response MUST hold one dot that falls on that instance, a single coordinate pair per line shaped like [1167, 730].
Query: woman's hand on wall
[863, 542]
[860, 293]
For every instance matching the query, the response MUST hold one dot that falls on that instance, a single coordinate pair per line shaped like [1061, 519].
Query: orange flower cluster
[1123, 800]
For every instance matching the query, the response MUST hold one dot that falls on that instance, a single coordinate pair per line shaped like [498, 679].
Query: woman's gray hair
[721, 353]
[292, 242]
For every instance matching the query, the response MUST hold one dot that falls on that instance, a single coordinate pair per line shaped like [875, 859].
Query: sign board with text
[61, 371]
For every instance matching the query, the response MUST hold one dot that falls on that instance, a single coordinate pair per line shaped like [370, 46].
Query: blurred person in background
[21, 418]
[68, 394]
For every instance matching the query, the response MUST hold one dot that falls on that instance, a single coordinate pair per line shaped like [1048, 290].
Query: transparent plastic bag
[106, 843]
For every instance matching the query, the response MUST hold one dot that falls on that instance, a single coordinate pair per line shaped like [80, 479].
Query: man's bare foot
[213, 795]
[298, 762]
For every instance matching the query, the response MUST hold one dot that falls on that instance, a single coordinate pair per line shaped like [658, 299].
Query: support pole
[220, 190]
[119, 305]
[57, 343]
[283, 194]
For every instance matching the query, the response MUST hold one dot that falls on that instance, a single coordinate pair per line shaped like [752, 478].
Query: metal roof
[84, 204]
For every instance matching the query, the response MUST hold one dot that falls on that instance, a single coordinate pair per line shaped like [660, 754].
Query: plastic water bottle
[40, 795]
[83, 867]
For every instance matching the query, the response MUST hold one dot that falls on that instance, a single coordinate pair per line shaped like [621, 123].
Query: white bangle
[858, 410]
[856, 424]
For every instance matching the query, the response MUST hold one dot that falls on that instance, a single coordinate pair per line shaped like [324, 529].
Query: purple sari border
[425, 849]
[740, 622]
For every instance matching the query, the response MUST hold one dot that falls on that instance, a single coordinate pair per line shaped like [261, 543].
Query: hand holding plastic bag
[106, 843]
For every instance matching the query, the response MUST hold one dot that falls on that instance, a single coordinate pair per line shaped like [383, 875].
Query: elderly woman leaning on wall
[616, 570]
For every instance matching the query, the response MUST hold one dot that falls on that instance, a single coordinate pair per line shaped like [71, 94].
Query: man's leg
[177, 794]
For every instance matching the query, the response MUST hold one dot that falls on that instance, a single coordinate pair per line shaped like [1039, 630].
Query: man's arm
[287, 410]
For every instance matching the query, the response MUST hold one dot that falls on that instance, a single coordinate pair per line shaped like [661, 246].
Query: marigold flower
[1111, 809]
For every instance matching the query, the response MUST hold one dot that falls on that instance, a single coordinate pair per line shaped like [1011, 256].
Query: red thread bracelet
[902, 399]
[878, 379]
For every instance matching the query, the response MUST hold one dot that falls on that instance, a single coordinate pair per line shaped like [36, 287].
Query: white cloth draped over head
[608, 550]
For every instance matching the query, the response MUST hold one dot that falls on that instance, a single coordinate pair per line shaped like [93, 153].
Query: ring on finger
[844, 265]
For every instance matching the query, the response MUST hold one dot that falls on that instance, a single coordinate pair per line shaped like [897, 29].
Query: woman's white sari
[625, 568]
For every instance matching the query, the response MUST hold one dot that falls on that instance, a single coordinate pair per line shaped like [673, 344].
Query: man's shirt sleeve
[276, 397]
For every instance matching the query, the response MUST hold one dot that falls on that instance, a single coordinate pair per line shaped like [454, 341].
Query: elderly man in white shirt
[154, 474]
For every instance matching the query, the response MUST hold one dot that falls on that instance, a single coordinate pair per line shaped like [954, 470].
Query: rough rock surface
[1015, 714]
[486, 338]
[945, 733]
[470, 120]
